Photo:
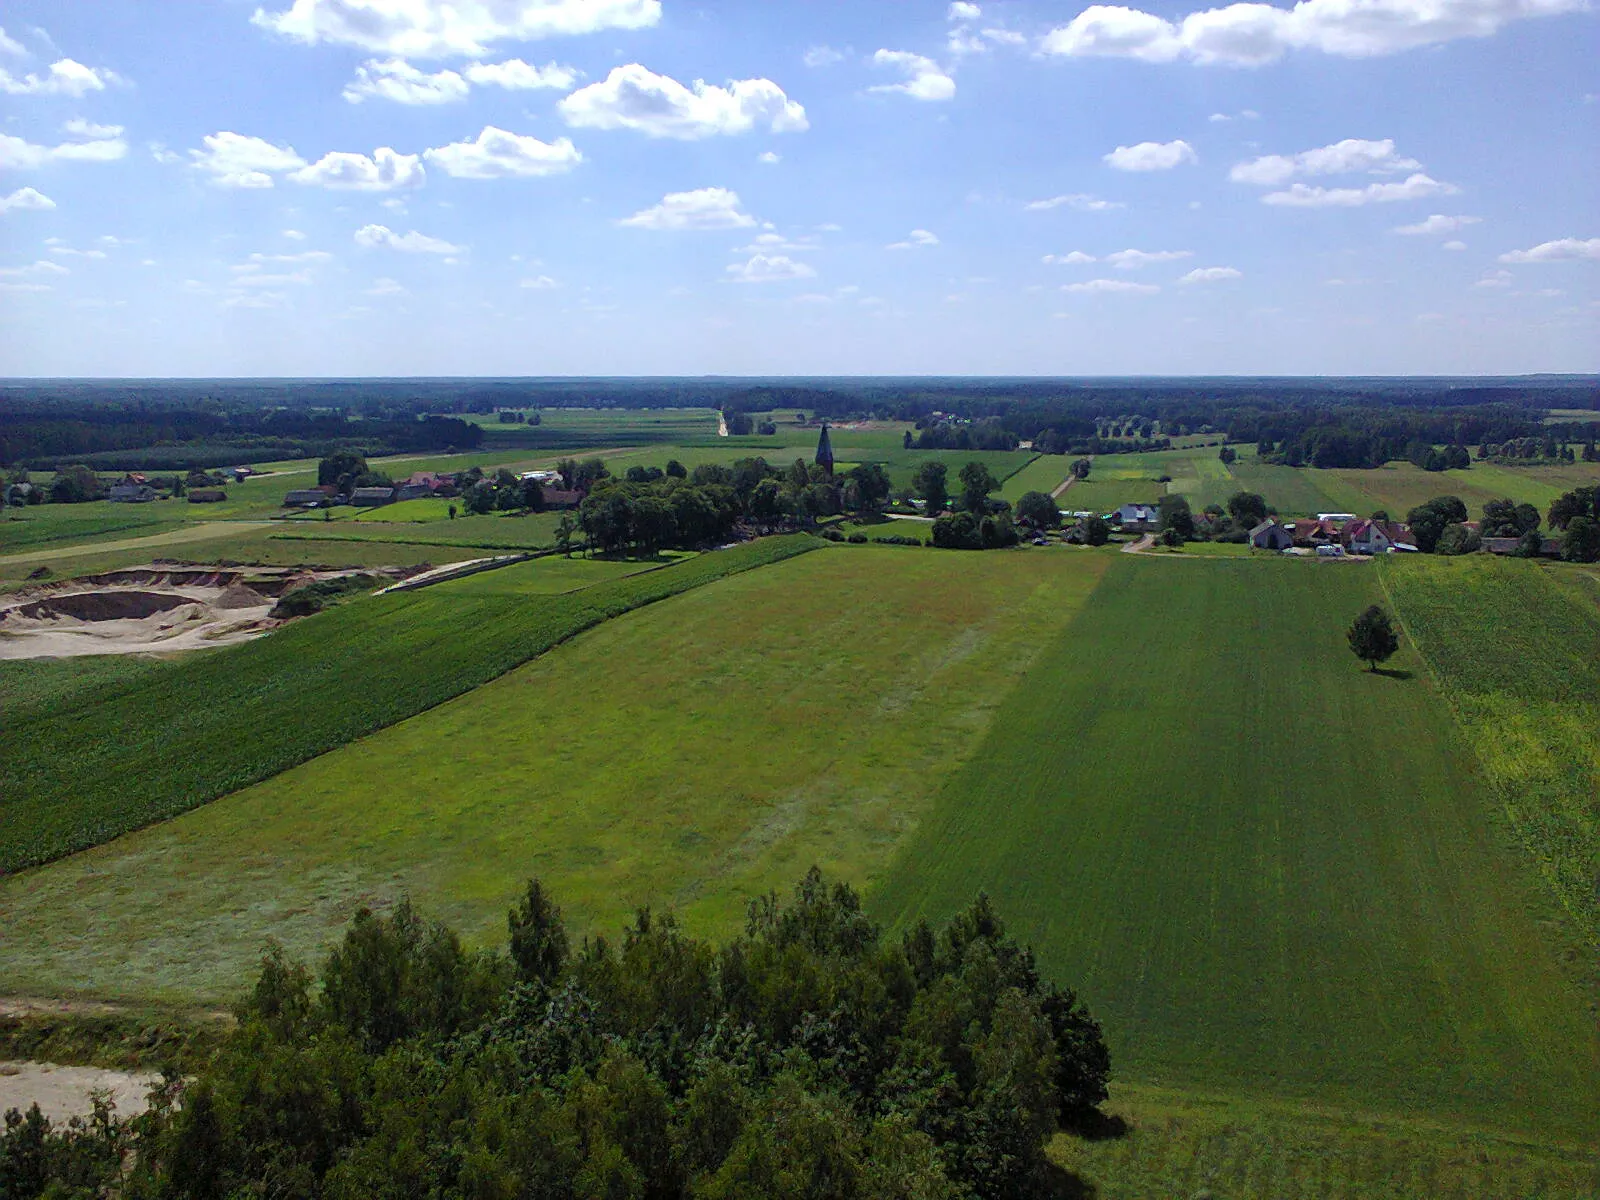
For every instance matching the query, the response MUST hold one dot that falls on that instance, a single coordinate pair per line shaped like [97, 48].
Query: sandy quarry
[63, 1092]
[146, 610]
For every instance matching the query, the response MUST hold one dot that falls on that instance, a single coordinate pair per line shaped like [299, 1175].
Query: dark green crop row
[80, 772]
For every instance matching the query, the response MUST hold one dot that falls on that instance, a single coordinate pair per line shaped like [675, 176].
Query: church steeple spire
[825, 451]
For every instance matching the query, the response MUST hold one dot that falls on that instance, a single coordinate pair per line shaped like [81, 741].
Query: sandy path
[63, 1092]
[175, 537]
[1063, 485]
[722, 425]
[1140, 546]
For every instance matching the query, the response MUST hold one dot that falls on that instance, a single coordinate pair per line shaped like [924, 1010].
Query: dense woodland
[810, 1057]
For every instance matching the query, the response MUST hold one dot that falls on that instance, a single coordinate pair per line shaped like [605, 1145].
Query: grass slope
[1267, 869]
[695, 753]
[75, 774]
[1518, 657]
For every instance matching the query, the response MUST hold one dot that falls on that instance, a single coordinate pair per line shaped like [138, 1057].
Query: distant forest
[175, 424]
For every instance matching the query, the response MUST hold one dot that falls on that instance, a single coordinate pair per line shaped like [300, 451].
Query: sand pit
[63, 1092]
[147, 610]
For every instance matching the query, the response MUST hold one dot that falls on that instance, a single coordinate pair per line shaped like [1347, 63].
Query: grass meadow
[1044, 474]
[694, 753]
[1398, 487]
[1267, 870]
[77, 773]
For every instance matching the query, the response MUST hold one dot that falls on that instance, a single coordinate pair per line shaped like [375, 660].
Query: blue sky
[541, 187]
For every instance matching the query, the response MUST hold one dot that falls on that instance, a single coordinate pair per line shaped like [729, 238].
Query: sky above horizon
[616, 187]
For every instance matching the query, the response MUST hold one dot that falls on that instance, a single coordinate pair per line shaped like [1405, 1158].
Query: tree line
[810, 1056]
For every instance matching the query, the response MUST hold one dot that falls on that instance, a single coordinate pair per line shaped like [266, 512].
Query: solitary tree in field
[1372, 637]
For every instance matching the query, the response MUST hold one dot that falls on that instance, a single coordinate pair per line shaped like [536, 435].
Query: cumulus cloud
[1071, 259]
[384, 171]
[384, 286]
[397, 80]
[25, 200]
[65, 77]
[633, 97]
[1151, 156]
[1110, 285]
[1250, 34]
[19, 154]
[305, 256]
[1245, 114]
[822, 56]
[381, 237]
[769, 158]
[1075, 200]
[42, 267]
[440, 28]
[915, 239]
[775, 268]
[1437, 224]
[703, 208]
[1560, 250]
[1416, 187]
[960, 11]
[773, 243]
[235, 160]
[1132, 260]
[497, 154]
[924, 79]
[1454, 246]
[1349, 157]
[539, 283]
[80, 128]
[1211, 275]
[10, 45]
[517, 76]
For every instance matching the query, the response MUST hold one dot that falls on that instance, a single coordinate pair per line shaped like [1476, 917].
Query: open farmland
[1043, 474]
[269, 704]
[1196, 835]
[1292, 491]
[1398, 487]
[682, 755]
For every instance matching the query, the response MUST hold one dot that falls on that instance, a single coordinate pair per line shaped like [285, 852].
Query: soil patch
[63, 1092]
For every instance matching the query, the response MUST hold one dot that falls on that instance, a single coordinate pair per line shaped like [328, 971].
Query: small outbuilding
[372, 497]
[207, 495]
[1137, 516]
[1271, 535]
[131, 493]
[317, 497]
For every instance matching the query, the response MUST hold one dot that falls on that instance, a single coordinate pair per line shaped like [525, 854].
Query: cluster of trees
[740, 424]
[1054, 441]
[1533, 448]
[809, 1057]
[978, 523]
[964, 435]
[518, 417]
[502, 492]
[1577, 515]
[1440, 526]
[1430, 458]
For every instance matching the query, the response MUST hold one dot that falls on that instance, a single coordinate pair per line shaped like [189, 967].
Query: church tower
[825, 451]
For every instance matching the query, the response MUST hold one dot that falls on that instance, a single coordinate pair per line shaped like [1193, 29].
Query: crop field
[1104, 495]
[1399, 487]
[30, 685]
[509, 531]
[1518, 657]
[1043, 474]
[694, 753]
[1267, 870]
[46, 525]
[1292, 491]
[220, 721]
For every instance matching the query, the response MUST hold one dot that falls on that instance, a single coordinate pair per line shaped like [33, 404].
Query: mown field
[694, 753]
[1044, 474]
[1518, 657]
[1399, 487]
[75, 774]
[1267, 870]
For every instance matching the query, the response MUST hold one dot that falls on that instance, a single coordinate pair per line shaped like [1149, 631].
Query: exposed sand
[63, 1092]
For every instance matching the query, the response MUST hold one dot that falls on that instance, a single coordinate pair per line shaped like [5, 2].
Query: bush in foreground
[810, 1057]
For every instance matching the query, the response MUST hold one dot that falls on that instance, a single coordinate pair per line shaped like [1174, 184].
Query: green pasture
[1044, 474]
[28, 686]
[492, 531]
[1291, 491]
[46, 526]
[1267, 870]
[1104, 495]
[695, 753]
[1518, 658]
[76, 774]
[1398, 487]
[553, 575]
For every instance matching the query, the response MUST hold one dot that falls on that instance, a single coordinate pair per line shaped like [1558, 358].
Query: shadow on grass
[1392, 673]
[1097, 1126]
[1061, 1184]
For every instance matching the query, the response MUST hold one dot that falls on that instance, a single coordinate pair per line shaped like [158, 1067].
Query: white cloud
[776, 268]
[703, 208]
[1454, 246]
[68, 252]
[1437, 224]
[294, 235]
[397, 80]
[10, 45]
[1132, 260]
[1246, 114]
[385, 286]
[25, 200]
[1151, 156]
[375, 237]
[539, 283]
[916, 238]
[253, 279]
[305, 256]
[774, 243]
[23, 155]
[1416, 187]
[497, 154]
[256, 300]
[1075, 200]
[1561, 250]
[769, 158]
[42, 267]
[385, 171]
[1250, 34]
[1111, 285]
[439, 28]
[821, 56]
[517, 76]
[1499, 279]
[924, 79]
[234, 160]
[80, 128]
[1071, 259]
[64, 78]
[961, 11]
[1211, 275]
[26, 287]
[1351, 156]
[633, 97]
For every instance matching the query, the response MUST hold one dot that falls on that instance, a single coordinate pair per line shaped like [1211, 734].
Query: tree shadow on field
[1097, 1126]
[1061, 1184]
[1392, 673]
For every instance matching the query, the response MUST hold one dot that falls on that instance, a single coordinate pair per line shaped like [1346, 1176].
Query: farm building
[372, 497]
[128, 492]
[560, 498]
[1320, 532]
[1271, 535]
[1550, 547]
[207, 495]
[316, 497]
[1137, 516]
[1376, 537]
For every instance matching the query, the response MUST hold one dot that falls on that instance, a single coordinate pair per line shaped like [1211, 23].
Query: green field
[1044, 474]
[1399, 487]
[1292, 491]
[694, 753]
[1267, 870]
[77, 773]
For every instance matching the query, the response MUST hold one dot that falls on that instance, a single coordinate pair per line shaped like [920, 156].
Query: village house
[1319, 532]
[316, 497]
[372, 497]
[559, 498]
[1137, 517]
[1271, 535]
[1376, 537]
[207, 495]
[134, 489]
[1549, 547]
